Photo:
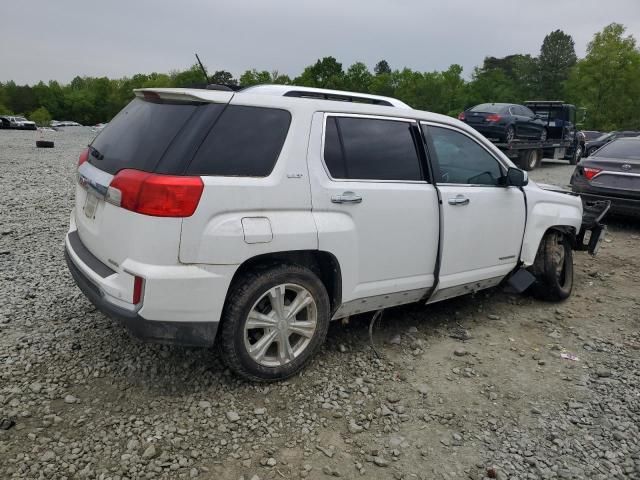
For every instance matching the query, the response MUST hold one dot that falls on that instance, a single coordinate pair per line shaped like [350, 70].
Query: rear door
[375, 207]
[483, 222]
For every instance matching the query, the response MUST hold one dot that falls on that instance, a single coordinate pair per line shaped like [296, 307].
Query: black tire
[577, 155]
[244, 295]
[553, 268]
[529, 160]
[544, 135]
[44, 144]
[509, 134]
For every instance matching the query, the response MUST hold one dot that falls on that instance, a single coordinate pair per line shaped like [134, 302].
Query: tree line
[606, 82]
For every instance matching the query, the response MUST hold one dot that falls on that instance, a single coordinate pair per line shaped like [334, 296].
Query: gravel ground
[470, 388]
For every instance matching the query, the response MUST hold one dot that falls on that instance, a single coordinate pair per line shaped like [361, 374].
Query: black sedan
[593, 145]
[505, 122]
[612, 173]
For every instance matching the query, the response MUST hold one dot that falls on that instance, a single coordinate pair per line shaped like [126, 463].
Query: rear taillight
[155, 195]
[84, 156]
[462, 116]
[138, 284]
[494, 117]
[589, 172]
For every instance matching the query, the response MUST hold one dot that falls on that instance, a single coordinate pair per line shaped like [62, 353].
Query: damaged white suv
[254, 218]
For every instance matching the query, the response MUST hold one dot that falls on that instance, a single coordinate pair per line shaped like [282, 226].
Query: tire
[255, 292]
[44, 144]
[529, 160]
[577, 155]
[544, 135]
[509, 134]
[553, 268]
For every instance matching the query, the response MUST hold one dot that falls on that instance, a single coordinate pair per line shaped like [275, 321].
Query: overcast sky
[59, 39]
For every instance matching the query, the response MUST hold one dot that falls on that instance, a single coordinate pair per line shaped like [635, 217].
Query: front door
[374, 207]
[483, 222]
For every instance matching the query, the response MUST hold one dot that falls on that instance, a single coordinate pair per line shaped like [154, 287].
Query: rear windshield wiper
[95, 153]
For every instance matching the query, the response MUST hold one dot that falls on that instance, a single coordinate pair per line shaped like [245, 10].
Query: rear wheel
[577, 155]
[509, 134]
[553, 268]
[274, 321]
[543, 135]
[529, 159]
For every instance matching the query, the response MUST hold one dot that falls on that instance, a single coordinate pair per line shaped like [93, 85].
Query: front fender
[547, 210]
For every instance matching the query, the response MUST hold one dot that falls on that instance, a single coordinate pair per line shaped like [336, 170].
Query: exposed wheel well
[567, 230]
[323, 264]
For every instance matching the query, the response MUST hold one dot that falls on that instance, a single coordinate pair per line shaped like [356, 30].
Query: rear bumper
[181, 305]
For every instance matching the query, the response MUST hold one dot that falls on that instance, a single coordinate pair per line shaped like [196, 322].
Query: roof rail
[325, 94]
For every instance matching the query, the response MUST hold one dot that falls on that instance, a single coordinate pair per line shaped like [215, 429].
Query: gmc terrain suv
[255, 218]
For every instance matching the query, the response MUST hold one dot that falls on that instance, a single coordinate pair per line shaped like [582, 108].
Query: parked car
[257, 217]
[593, 145]
[612, 173]
[17, 123]
[64, 123]
[505, 121]
[589, 135]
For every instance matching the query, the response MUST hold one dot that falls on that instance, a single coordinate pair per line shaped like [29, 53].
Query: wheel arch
[324, 264]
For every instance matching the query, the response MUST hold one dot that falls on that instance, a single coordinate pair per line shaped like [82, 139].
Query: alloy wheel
[280, 325]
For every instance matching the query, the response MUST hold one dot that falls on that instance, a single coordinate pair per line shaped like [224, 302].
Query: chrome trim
[94, 180]
[619, 174]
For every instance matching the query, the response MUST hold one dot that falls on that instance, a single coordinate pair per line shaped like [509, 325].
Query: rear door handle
[459, 200]
[346, 197]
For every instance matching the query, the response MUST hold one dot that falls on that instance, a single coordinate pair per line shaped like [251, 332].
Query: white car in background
[17, 123]
[254, 218]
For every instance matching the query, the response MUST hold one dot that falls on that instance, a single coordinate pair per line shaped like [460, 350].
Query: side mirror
[516, 177]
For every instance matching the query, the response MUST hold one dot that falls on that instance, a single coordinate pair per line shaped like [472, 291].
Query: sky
[59, 39]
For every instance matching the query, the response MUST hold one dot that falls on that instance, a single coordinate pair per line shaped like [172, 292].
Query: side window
[371, 149]
[527, 112]
[462, 160]
[243, 142]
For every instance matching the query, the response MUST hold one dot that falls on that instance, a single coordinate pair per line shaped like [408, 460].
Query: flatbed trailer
[529, 155]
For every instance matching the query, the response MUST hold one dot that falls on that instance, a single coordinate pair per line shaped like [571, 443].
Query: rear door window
[244, 141]
[359, 148]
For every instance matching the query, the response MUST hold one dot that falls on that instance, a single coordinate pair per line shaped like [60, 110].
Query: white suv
[254, 218]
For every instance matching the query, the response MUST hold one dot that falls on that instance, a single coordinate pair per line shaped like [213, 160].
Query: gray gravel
[468, 388]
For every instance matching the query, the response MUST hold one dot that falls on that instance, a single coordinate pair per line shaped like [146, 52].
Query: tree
[254, 77]
[325, 73]
[222, 77]
[607, 80]
[358, 78]
[41, 116]
[382, 67]
[557, 57]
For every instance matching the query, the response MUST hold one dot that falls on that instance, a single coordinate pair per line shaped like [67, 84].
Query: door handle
[346, 197]
[459, 200]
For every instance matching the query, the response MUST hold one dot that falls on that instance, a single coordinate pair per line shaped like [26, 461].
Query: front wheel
[553, 268]
[543, 135]
[509, 134]
[577, 155]
[274, 321]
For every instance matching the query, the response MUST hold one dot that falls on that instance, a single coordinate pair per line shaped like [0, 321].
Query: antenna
[204, 70]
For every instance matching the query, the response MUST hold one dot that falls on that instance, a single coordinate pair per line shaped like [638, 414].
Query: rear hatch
[132, 192]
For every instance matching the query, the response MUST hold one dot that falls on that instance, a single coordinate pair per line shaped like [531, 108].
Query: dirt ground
[499, 401]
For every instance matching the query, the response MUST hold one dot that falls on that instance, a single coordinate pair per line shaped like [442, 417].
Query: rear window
[139, 135]
[489, 108]
[245, 141]
[620, 149]
[192, 138]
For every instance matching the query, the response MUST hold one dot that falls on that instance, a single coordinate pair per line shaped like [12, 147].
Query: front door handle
[459, 200]
[346, 197]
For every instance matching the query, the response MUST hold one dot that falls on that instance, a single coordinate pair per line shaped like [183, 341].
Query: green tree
[382, 67]
[325, 73]
[358, 78]
[254, 77]
[557, 57]
[222, 77]
[607, 80]
[41, 116]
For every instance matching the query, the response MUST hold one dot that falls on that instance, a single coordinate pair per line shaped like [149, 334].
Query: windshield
[21, 119]
[620, 148]
[488, 108]
[604, 137]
